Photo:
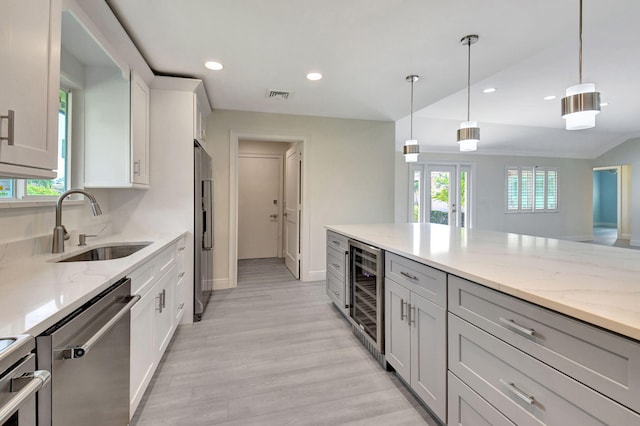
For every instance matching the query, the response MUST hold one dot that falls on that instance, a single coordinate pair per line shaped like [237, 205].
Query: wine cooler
[367, 295]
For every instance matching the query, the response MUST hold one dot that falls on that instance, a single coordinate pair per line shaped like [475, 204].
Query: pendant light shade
[582, 102]
[469, 132]
[411, 148]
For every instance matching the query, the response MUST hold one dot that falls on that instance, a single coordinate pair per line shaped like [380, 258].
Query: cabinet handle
[403, 315]
[164, 297]
[180, 306]
[180, 248]
[181, 274]
[408, 275]
[512, 324]
[160, 300]
[517, 392]
[136, 167]
[335, 265]
[335, 242]
[410, 309]
[11, 115]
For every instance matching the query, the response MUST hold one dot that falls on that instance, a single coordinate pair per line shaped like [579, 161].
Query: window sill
[28, 204]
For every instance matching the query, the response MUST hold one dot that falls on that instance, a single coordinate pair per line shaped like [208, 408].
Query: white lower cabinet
[416, 345]
[153, 318]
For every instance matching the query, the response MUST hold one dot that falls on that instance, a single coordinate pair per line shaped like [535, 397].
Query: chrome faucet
[60, 232]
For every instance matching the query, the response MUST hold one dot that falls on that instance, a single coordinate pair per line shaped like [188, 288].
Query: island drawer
[467, 408]
[336, 262]
[335, 290]
[600, 359]
[337, 241]
[524, 389]
[429, 282]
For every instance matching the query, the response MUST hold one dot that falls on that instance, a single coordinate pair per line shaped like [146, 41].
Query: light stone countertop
[597, 284]
[35, 292]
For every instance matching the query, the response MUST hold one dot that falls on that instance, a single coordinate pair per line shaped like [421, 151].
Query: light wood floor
[273, 351]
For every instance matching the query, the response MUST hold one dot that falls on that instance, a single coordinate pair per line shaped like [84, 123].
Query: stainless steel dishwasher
[19, 382]
[88, 356]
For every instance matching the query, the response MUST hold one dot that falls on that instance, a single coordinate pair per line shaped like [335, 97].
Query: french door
[440, 193]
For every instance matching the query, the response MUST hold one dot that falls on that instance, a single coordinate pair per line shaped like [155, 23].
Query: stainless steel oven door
[18, 389]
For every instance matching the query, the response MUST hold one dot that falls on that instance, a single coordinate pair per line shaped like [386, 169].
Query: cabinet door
[429, 353]
[30, 58]
[163, 321]
[143, 354]
[397, 331]
[139, 130]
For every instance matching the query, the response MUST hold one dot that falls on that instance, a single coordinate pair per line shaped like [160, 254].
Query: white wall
[627, 153]
[573, 221]
[348, 174]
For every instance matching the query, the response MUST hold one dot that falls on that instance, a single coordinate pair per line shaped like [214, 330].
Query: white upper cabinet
[112, 103]
[139, 130]
[29, 82]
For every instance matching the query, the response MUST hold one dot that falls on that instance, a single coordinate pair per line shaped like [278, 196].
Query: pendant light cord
[469, 79]
[411, 120]
[580, 42]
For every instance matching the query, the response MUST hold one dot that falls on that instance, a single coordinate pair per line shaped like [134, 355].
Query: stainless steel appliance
[366, 278]
[88, 356]
[203, 232]
[19, 381]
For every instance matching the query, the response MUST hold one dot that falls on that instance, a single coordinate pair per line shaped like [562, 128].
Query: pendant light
[469, 132]
[582, 103]
[411, 148]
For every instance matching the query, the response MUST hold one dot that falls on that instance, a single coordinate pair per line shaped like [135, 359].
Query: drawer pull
[336, 242]
[403, 315]
[408, 275]
[335, 265]
[517, 392]
[512, 324]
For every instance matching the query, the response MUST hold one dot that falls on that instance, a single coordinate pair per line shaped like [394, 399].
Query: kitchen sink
[106, 253]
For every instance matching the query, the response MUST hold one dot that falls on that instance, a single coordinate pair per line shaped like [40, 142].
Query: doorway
[255, 146]
[612, 205]
[441, 194]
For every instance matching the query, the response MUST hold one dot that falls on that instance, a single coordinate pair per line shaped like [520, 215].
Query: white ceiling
[366, 48]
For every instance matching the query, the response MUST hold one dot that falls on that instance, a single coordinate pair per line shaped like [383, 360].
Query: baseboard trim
[315, 276]
[221, 284]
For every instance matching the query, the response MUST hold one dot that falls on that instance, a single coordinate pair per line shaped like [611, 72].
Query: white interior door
[292, 209]
[259, 185]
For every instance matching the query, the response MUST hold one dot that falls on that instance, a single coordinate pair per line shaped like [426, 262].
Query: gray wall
[348, 174]
[572, 221]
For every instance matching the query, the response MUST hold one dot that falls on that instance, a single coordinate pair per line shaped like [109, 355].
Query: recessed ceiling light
[489, 90]
[604, 104]
[212, 65]
[314, 76]
[549, 98]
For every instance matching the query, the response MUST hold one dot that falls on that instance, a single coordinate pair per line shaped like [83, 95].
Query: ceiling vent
[278, 94]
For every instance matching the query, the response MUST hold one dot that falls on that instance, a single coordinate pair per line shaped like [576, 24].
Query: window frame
[533, 193]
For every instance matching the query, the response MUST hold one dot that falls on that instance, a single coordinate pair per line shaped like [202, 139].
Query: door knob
[273, 216]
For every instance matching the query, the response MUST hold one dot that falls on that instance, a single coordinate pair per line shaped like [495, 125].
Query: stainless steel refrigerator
[203, 231]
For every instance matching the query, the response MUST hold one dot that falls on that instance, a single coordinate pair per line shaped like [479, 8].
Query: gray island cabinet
[475, 354]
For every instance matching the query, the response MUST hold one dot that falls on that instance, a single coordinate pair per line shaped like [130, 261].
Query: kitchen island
[536, 329]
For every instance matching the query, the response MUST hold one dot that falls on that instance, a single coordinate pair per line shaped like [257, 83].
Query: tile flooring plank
[273, 351]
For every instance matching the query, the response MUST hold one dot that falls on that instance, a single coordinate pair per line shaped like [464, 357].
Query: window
[531, 189]
[21, 189]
